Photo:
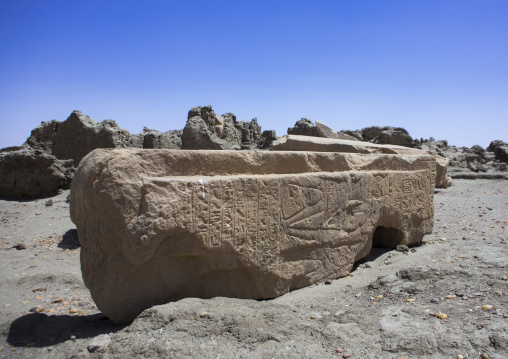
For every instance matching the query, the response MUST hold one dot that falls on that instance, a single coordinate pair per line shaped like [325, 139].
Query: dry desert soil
[445, 298]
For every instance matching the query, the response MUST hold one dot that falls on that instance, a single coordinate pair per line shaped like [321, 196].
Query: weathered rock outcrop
[386, 135]
[304, 127]
[77, 136]
[153, 139]
[267, 139]
[500, 150]
[30, 174]
[206, 130]
[471, 163]
[307, 143]
[161, 225]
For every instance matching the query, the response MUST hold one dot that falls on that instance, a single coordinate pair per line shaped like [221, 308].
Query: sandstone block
[328, 132]
[308, 143]
[161, 225]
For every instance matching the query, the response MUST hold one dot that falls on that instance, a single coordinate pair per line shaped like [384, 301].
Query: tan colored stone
[160, 225]
[319, 144]
[325, 131]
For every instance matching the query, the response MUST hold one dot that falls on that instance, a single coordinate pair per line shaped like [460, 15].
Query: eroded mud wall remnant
[161, 225]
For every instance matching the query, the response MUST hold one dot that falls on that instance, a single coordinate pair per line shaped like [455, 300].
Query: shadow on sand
[41, 330]
[69, 240]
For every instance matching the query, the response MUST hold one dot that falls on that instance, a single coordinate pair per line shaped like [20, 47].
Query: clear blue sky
[437, 68]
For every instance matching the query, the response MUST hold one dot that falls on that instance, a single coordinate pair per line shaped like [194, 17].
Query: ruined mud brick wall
[161, 225]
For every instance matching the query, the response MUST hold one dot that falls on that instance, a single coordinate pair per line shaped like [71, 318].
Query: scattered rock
[99, 343]
[20, 246]
[49, 203]
[402, 248]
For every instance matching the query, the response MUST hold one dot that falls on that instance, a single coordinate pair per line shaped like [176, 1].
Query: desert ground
[445, 298]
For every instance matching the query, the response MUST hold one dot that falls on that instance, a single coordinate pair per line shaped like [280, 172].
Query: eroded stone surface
[161, 225]
[308, 143]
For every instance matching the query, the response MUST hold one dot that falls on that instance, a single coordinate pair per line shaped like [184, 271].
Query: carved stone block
[161, 225]
[309, 143]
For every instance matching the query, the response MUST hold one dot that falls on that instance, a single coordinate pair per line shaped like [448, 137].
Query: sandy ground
[444, 298]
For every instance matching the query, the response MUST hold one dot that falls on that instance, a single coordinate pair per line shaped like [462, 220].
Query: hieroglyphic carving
[263, 214]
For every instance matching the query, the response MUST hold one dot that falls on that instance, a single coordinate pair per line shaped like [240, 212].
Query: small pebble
[49, 203]
[57, 300]
[441, 315]
[347, 355]
[20, 246]
[498, 292]
[328, 281]
[204, 314]
[484, 356]
[339, 350]
[73, 337]
[487, 307]
[73, 311]
[460, 357]
[451, 296]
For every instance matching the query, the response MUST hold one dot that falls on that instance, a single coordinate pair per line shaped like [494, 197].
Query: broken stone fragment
[321, 144]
